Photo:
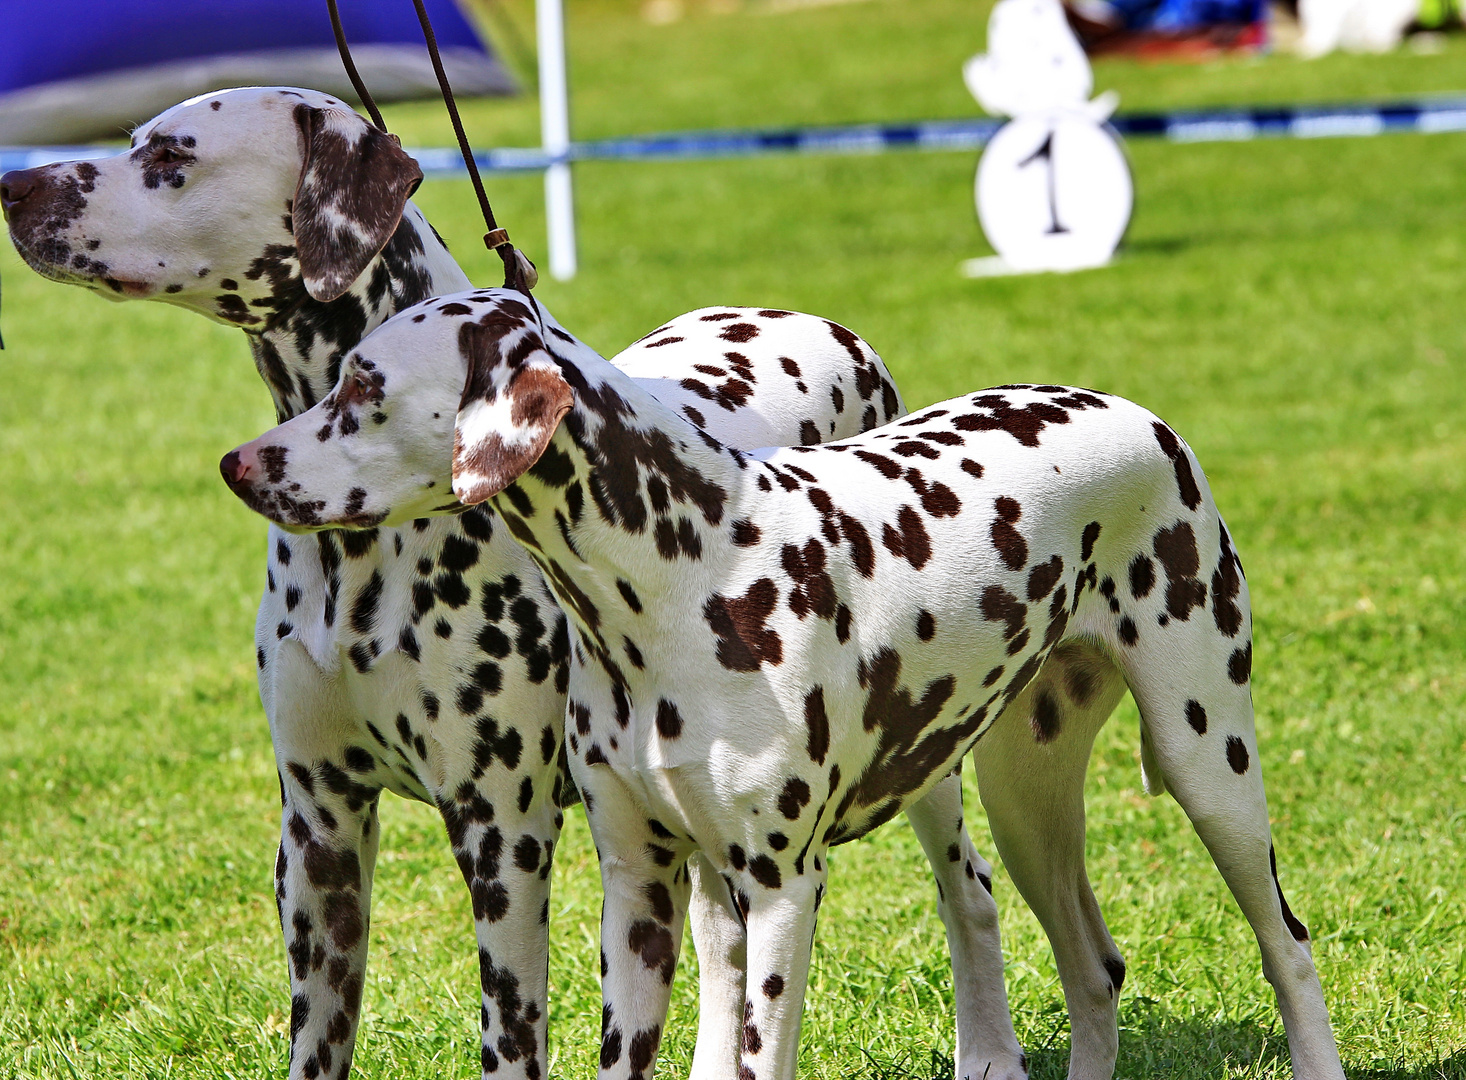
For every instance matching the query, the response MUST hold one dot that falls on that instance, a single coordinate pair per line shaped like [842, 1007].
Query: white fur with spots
[776, 652]
[426, 660]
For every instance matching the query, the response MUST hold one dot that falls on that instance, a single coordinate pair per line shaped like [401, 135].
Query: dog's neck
[625, 497]
[299, 350]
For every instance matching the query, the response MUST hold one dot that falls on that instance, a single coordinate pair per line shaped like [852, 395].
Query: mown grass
[1293, 308]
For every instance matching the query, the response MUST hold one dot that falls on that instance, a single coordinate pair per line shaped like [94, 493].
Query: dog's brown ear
[354, 184]
[513, 399]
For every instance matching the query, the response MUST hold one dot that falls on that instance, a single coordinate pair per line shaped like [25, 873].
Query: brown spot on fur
[909, 750]
[1023, 424]
[653, 943]
[669, 720]
[1237, 756]
[739, 332]
[999, 605]
[1010, 544]
[1239, 665]
[1043, 577]
[1176, 549]
[1142, 577]
[765, 871]
[862, 551]
[794, 798]
[1185, 481]
[814, 589]
[744, 643]
[909, 539]
[1091, 534]
[1295, 927]
[1046, 717]
[817, 723]
[1226, 583]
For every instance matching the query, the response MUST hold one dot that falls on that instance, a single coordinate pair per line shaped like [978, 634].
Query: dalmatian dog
[429, 659]
[775, 652]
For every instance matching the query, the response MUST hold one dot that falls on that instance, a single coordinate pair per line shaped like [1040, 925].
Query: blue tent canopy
[74, 69]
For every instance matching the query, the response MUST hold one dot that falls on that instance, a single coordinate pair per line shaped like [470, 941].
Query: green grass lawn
[1295, 309]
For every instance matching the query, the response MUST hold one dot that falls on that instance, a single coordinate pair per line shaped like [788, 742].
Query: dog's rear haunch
[776, 652]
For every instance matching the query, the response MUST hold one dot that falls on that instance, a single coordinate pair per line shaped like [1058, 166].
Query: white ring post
[555, 137]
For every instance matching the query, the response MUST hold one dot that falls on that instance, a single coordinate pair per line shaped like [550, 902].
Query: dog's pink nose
[238, 466]
[15, 186]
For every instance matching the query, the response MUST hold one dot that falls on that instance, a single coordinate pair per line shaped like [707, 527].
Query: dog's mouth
[132, 290]
[47, 265]
[299, 515]
[54, 259]
[354, 523]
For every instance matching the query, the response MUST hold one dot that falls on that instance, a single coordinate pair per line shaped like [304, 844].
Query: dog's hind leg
[986, 1044]
[1030, 773]
[1191, 680]
[722, 963]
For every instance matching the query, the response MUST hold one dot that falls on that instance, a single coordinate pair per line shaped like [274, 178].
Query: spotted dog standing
[776, 652]
[429, 659]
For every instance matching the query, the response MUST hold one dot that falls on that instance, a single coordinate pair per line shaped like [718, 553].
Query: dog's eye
[170, 154]
[356, 388]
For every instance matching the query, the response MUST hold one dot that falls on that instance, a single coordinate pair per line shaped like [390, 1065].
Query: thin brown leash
[519, 272]
[351, 72]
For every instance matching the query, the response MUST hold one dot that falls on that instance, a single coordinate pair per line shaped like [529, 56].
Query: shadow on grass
[1448, 1068]
[1155, 1043]
[1156, 245]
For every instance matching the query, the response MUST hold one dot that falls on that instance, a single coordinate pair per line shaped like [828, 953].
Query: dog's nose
[237, 467]
[15, 186]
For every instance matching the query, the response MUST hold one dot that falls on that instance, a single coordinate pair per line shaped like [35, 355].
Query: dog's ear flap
[353, 187]
[506, 417]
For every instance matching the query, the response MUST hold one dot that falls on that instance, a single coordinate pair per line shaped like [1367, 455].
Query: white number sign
[1054, 192]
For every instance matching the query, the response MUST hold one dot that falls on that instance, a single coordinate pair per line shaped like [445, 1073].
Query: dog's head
[228, 204]
[440, 408]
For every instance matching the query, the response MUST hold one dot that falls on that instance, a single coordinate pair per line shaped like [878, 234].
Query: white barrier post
[555, 137]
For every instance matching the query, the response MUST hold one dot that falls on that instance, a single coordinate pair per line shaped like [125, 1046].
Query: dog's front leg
[986, 1043]
[722, 962]
[323, 888]
[781, 904]
[504, 850]
[646, 886]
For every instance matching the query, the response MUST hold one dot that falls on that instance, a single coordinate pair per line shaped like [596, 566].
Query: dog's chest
[440, 644]
[827, 743]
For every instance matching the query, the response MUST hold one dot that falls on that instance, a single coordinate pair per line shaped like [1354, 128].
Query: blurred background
[1292, 306]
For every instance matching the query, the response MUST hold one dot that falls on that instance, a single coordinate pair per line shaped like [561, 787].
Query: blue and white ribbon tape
[1216, 125]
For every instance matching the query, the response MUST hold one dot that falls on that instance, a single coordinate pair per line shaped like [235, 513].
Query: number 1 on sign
[1021, 163]
[1046, 153]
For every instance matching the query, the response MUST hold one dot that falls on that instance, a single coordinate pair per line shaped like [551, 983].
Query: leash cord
[351, 72]
[496, 239]
[519, 272]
